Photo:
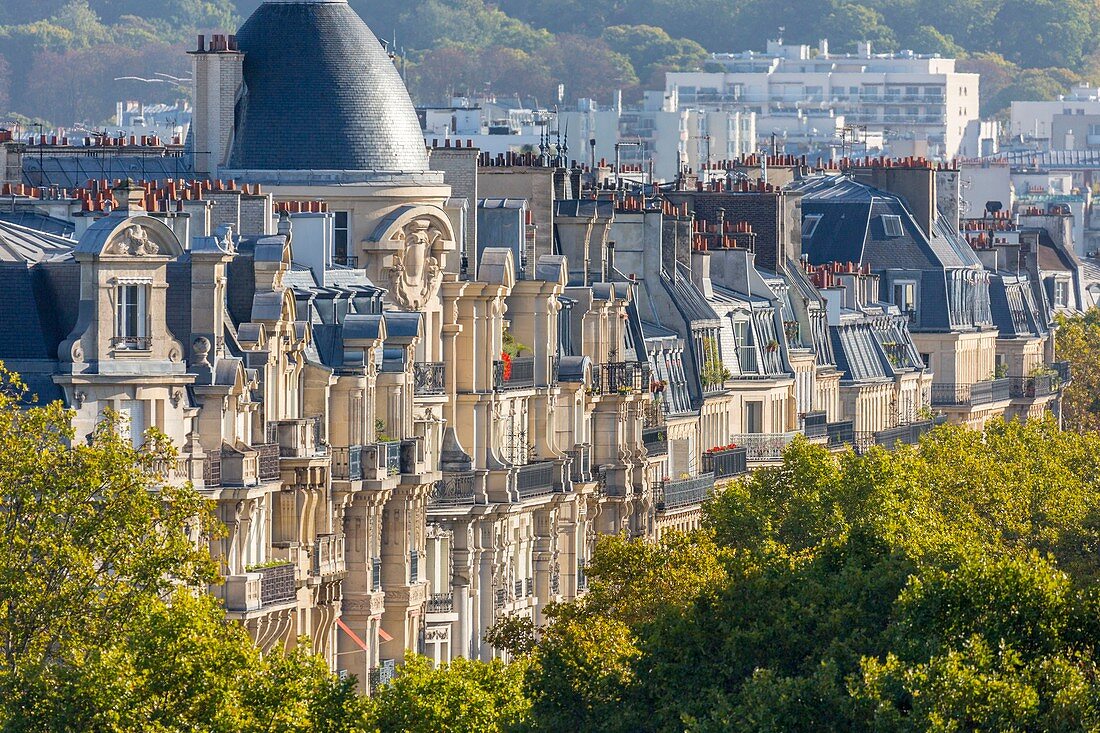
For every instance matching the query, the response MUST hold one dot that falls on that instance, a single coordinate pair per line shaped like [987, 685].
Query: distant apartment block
[920, 104]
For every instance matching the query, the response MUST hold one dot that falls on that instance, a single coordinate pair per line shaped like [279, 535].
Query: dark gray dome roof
[321, 94]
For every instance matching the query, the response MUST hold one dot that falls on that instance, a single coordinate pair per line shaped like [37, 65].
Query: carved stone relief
[415, 273]
[134, 241]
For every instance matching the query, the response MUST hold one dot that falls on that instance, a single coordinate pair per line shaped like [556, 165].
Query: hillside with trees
[62, 60]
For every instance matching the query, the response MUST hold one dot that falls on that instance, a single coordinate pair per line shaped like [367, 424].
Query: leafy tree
[1045, 33]
[1078, 341]
[652, 51]
[100, 629]
[461, 696]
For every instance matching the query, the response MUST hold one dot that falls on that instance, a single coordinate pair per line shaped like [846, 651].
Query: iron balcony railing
[580, 468]
[132, 343]
[518, 374]
[656, 441]
[622, 377]
[347, 463]
[685, 492]
[441, 603]
[1028, 387]
[764, 446]
[277, 585]
[454, 489]
[815, 425]
[653, 414]
[517, 589]
[375, 574]
[979, 393]
[212, 470]
[727, 462]
[901, 435]
[414, 567]
[535, 479]
[429, 378]
[1064, 372]
[389, 457]
[501, 598]
[351, 261]
[268, 461]
[841, 432]
[555, 582]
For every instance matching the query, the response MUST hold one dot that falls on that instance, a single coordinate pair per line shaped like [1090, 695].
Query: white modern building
[1036, 120]
[920, 104]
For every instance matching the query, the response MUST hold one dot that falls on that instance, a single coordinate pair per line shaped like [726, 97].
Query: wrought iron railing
[347, 463]
[389, 457]
[685, 492]
[429, 378]
[1064, 371]
[535, 479]
[212, 470]
[414, 567]
[622, 377]
[375, 574]
[277, 584]
[1037, 386]
[815, 425]
[441, 603]
[978, 393]
[132, 343]
[841, 432]
[656, 441]
[517, 373]
[764, 446]
[727, 462]
[268, 461]
[454, 489]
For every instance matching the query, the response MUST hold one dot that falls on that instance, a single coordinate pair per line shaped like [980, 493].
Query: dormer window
[891, 225]
[132, 317]
[1061, 294]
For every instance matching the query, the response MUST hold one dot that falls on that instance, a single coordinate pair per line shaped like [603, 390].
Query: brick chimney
[217, 71]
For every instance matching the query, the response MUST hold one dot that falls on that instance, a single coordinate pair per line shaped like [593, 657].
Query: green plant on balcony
[713, 371]
[510, 346]
[380, 432]
[265, 565]
[1000, 371]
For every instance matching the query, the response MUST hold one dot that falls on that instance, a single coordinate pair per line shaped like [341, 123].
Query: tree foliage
[100, 626]
[1078, 342]
[946, 587]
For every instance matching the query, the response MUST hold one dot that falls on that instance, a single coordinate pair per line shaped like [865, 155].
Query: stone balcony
[328, 555]
[261, 589]
[299, 437]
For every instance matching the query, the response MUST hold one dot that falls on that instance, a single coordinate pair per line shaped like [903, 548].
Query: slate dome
[321, 94]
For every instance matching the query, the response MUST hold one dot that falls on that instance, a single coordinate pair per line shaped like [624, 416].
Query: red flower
[507, 371]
